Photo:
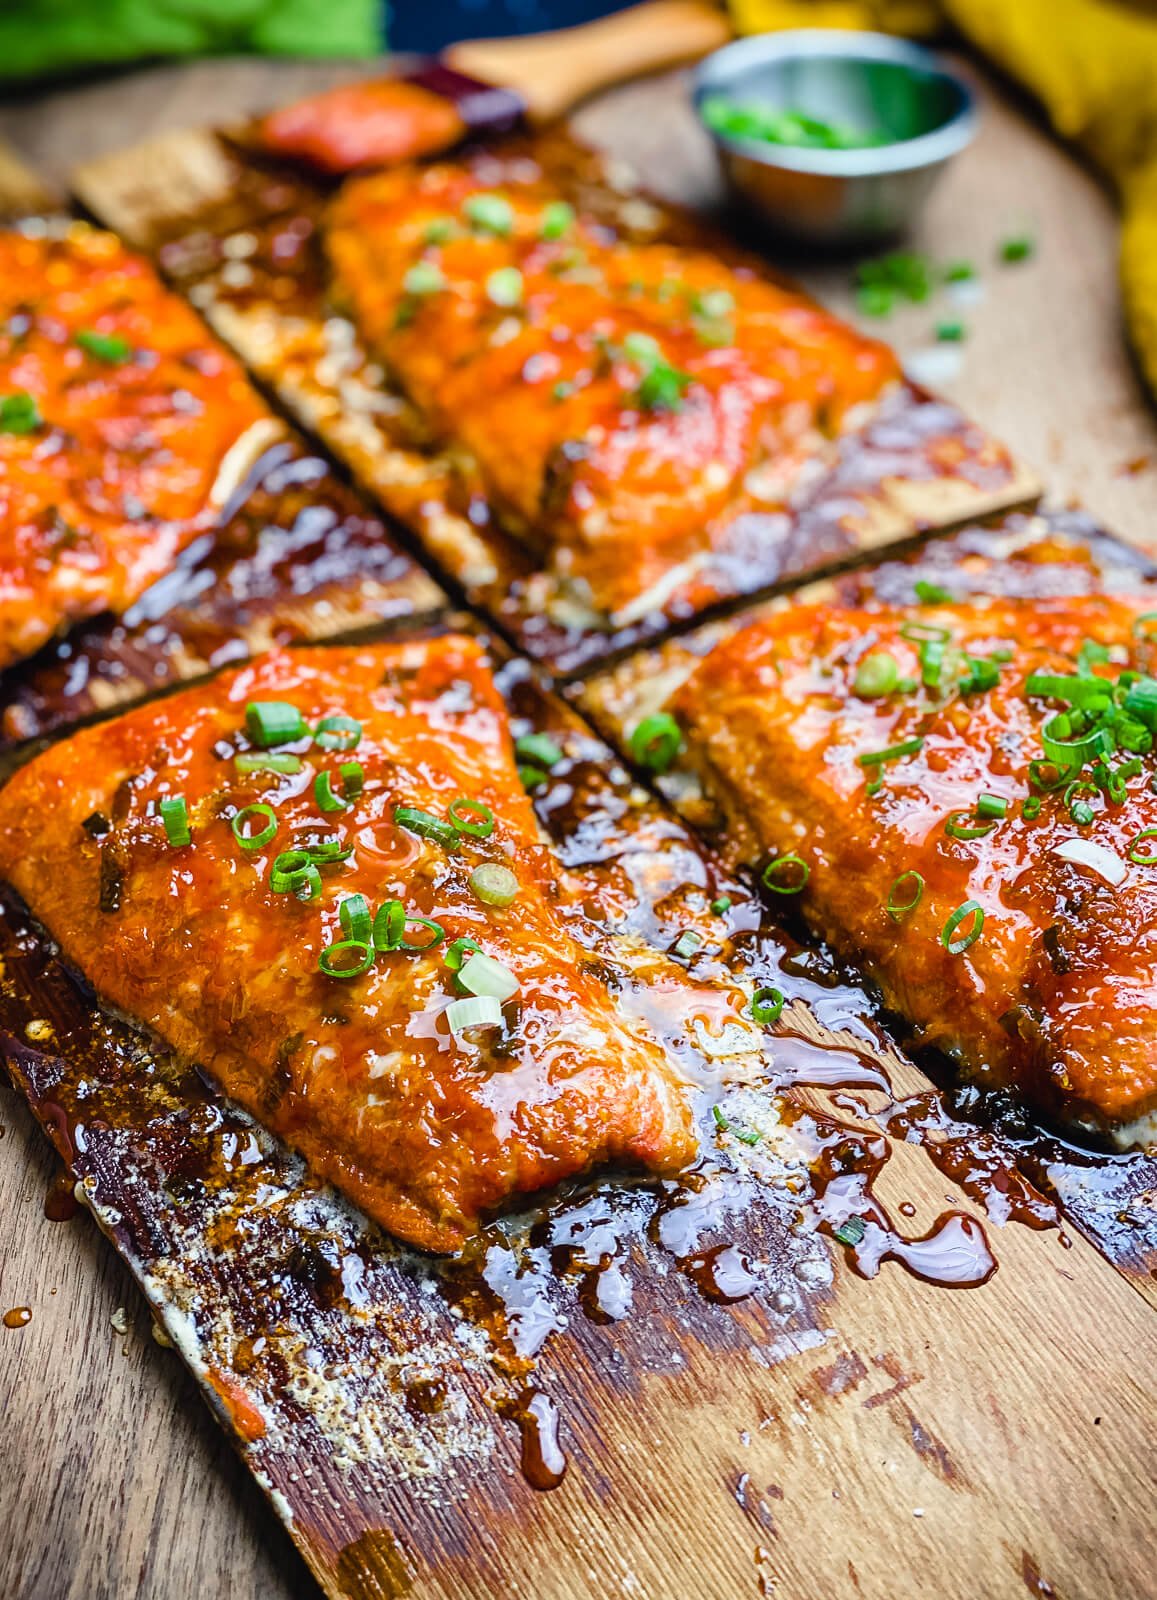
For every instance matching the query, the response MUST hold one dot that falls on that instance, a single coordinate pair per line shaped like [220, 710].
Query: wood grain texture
[1046, 370]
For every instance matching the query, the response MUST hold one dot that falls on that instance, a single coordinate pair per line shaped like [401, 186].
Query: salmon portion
[1055, 994]
[427, 1129]
[624, 405]
[370, 124]
[118, 416]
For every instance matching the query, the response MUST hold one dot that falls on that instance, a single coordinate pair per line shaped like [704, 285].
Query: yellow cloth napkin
[1093, 66]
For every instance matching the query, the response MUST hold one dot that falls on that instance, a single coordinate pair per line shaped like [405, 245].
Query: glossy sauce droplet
[543, 1462]
[60, 1203]
[18, 1317]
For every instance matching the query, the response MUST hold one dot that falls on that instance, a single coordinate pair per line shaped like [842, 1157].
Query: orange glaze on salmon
[624, 404]
[426, 1131]
[1058, 994]
[110, 455]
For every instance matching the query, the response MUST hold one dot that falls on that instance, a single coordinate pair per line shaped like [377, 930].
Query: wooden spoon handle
[552, 72]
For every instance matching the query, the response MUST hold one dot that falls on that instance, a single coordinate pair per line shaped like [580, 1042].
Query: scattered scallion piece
[539, 748]
[991, 805]
[338, 733]
[352, 776]
[504, 287]
[478, 1011]
[688, 944]
[767, 1005]
[531, 778]
[1143, 858]
[722, 906]
[662, 388]
[850, 1232]
[457, 952]
[966, 830]
[356, 921]
[950, 332]
[250, 841]
[1017, 248]
[971, 909]
[656, 741]
[435, 930]
[294, 873]
[892, 752]
[905, 894]
[328, 850]
[556, 221]
[272, 761]
[439, 230]
[959, 272]
[494, 884]
[19, 413]
[424, 278]
[792, 880]
[490, 213]
[175, 816]
[472, 817]
[349, 958]
[270, 722]
[427, 826]
[1030, 807]
[876, 674]
[111, 348]
[389, 924]
[482, 974]
[931, 594]
[721, 1121]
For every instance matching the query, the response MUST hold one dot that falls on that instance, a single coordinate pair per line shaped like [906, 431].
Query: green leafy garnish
[19, 413]
[111, 348]
[1018, 248]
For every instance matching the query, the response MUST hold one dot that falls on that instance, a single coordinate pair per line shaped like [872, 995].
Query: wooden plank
[1072, 403]
[877, 1423]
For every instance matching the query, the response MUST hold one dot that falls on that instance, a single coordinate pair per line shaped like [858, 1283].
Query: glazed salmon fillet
[959, 799]
[426, 1115]
[123, 426]
[623, 405]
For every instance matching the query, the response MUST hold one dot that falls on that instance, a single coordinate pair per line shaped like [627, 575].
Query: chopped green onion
[925, 633]
[950, 332]
[455, 954]
[767, 1005]
[389, 925]
[931, 594]
[294, 873]
[1144, 625]
[354, 915]
[876, 675]
[850, 1232]
[482, 974]
[966, 830]
[797, 875]
[437, 934]
[1049, 775]
[423, 278]
[338, 733]
[1089, 655]
[1082, 813]
[688, 944]
[328, 850]
[1143, 858]
[1141, 701]
[427, 826]
[931, 662]
[1018, 248]
[111, 348]
[472, 817]
[175, 816]
[959, 272]
[991, 805]
[970, 908]
[531, 778]
[352, 775]
[19, 413]
[897, 907]
[254, 841]
[556, 221]
[347, 959]
[722, 906]
[906, 747]
[1030, 807]
[721, 1121]
[504, 287]
[656, 741]
[539, 748]
[494, 884]
[269, 722]
[279, 761]
[439, 230]
[490, 213]
[479, 1011]
[983, 674]
[662, 388]
[1086, 693]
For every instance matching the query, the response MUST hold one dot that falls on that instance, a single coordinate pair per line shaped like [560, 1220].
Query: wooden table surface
[116, 1482]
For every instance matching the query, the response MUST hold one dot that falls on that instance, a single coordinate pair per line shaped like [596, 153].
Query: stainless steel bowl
[872, 84]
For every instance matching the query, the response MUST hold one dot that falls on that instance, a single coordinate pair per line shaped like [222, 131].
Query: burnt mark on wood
[374, 1567]
[933, 1452]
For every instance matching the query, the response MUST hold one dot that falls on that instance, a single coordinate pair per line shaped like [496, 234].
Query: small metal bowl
[874, 85]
